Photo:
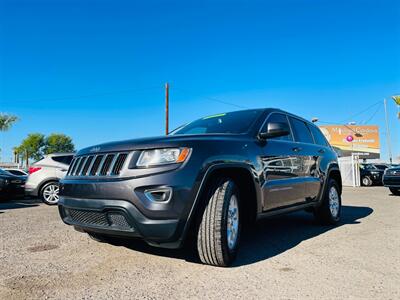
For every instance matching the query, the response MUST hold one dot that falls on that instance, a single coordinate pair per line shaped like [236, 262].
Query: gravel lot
[288, 257]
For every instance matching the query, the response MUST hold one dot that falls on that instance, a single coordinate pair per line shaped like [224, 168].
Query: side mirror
[275, 130]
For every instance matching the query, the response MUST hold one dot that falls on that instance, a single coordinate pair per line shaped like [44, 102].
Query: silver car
[44, 176]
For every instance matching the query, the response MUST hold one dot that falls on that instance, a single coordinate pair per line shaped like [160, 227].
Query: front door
[282, 169]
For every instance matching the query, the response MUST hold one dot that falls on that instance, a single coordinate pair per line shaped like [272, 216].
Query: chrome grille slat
[107, 163]
[88, 164]
[119, 163]
[95, 166]
[112, 164]
[76, 165]
[80, 166]
[72, 166]
[102, 164]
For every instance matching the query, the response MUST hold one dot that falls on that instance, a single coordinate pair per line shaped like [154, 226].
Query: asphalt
[287, 257]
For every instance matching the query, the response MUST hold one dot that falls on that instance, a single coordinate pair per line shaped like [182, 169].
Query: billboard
[347, 139]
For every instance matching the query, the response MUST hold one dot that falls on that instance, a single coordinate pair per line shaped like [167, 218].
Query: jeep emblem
[95, 149]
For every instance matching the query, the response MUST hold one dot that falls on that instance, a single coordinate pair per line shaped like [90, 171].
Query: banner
[347, 139]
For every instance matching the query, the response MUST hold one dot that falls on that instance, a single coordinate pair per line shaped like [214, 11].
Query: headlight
[165, 156]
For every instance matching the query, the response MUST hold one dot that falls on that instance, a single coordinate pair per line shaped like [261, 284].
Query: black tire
[324, 213]
[366, 181]
[44, 190]
[395, 191]
[212, 235]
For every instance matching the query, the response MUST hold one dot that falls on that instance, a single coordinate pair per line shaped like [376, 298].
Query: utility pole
[166, 108]
[388, 132]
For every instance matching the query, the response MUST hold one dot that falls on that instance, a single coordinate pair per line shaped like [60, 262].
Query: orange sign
[365, 138]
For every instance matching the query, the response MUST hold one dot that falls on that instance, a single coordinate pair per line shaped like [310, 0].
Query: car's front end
[11, 185]
[131, 190]
[391, 179]
[148, 188]
[376, 176]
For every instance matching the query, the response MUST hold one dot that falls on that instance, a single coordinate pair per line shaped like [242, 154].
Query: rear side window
[301, 132]
[63, 159]
[278, 118]
[319, 138]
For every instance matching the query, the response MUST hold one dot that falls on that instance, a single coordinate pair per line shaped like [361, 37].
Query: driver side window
[278, 118]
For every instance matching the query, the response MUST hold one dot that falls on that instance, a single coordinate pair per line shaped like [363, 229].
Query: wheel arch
[44, 182]
[243, 176]
[334, 173]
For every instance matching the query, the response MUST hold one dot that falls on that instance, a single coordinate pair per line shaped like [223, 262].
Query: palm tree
[6, 121]
[397, 100]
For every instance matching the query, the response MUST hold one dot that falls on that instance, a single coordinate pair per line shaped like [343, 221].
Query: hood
[156, 142]
[13, 177]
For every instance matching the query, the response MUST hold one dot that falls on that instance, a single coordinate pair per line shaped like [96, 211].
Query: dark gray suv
[206, 179]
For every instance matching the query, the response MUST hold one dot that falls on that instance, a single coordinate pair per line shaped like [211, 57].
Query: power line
[361, 112]
[373, 115]
[213, 99]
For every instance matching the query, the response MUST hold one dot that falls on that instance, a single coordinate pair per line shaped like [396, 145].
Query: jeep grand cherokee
[206, 179]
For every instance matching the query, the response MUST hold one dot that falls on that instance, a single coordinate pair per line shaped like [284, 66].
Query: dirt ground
[287, 257]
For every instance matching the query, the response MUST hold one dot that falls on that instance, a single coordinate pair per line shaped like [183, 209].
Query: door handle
[321, 151]
[296, 149]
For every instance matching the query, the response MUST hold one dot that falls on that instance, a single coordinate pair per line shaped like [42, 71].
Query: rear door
[322, 157]
[308, 153]
[283, 184]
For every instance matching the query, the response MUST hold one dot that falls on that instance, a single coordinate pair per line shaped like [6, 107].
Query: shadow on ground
[267, 239]
[18, 203]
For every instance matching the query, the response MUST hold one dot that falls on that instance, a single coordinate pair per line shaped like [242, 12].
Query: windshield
[229, 123]
[381, 167]
[368, 167]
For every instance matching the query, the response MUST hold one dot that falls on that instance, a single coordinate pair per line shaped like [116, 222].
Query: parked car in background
[205, 179]
[381, 166]
[11, 185]
[45, 174]
[17, 172]
[370, 174]
[391, 179]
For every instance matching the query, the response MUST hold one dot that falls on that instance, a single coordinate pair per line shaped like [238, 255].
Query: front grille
[110, 220]
[98, 165]
[87, 217]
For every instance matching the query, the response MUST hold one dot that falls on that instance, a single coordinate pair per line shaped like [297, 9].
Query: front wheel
[330, 208]
[49, 193]
[395, 191]
[219, 230]
[366, 181]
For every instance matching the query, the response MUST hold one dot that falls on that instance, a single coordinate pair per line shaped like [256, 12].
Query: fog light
[159, 194]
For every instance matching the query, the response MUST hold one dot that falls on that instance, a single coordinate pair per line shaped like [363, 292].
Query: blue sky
[95, 70]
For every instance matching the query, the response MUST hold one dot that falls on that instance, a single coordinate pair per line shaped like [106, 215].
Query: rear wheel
[49, 193]
[366, 181]
[329, 211]
[219, 230]
[395, 191]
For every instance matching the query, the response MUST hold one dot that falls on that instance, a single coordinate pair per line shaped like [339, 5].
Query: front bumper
[376, 178]
[12, 190]
[99, 204]
[118, 218]
[391, 181]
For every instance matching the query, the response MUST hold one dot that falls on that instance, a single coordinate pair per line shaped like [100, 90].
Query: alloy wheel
[50, 193]
[232, 222]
